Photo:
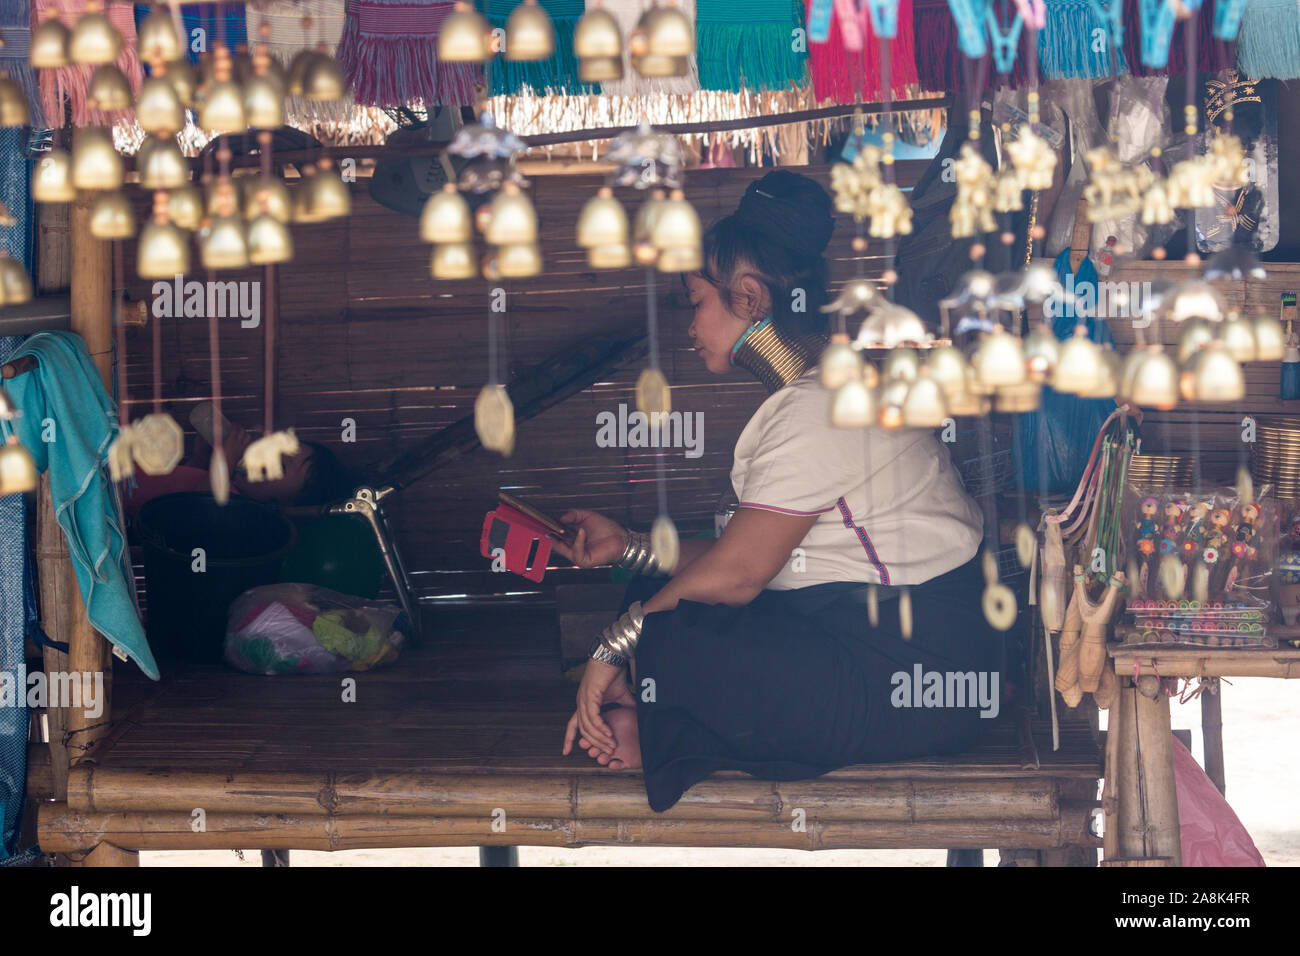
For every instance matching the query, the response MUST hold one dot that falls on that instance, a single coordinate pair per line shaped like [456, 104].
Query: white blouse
[890, 506]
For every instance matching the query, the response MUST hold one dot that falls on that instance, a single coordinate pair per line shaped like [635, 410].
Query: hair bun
[789, 210]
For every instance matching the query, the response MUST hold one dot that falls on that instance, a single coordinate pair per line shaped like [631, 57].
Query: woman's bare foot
[627, 747]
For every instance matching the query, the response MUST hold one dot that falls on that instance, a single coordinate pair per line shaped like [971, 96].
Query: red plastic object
[520, 538]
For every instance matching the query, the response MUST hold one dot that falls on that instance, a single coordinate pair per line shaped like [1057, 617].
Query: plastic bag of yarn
[299, 628]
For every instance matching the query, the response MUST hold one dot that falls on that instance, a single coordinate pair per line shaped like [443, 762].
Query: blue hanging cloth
[1054, 457]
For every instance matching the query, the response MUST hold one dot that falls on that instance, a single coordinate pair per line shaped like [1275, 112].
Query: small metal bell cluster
[972, 210]
[466, 37]
[862, 191]
[666, 232]
[660, 45]
[508, 223]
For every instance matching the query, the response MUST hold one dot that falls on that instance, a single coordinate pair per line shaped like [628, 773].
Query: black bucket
[243, 545]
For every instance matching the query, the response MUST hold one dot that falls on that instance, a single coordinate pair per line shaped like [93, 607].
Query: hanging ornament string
[652, 342]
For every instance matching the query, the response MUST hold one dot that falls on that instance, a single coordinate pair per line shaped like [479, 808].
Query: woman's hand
[595, 539]
[601, 684]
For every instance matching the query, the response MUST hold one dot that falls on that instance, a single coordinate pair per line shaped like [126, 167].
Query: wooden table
[1140, 799]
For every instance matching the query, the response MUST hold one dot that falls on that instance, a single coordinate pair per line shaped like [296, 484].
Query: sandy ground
[1261, 727]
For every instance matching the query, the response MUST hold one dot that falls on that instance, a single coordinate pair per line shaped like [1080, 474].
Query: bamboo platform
[458, 744]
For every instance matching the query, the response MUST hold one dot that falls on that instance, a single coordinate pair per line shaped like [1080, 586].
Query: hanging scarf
[1211, 55]
[288, 38]
[559, 74]
[852, 46]
[67, 84]
[1269, 42]
[749, 44]
[389, 53]
[15, 25]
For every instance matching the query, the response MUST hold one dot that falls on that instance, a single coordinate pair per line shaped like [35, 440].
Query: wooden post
[1147, 799]
[1212, 732]
[72, 732]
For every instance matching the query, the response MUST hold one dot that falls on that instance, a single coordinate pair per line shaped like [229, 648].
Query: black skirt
[797, 683]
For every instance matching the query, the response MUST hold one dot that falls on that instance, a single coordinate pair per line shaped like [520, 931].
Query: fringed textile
[1065, 44]
[1211, 55]
[834, 64]
[750, 44]
[626, 13]
[1269, 42]
[389, 53]
[15, 24]
[287, 39]
[67, 84]
[559, 74]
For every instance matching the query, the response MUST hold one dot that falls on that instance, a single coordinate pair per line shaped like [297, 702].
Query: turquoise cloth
[65, 390]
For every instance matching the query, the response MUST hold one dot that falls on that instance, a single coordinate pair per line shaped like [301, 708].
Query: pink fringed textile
[389, 53]
[852, 46]
[67, 84]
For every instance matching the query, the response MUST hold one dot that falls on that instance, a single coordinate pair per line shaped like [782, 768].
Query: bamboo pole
[1210, 662]
[577, 797]
[1212, 732]
[1148, 800]
[64, 830]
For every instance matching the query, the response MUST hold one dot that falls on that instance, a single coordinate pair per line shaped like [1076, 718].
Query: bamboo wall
[367, 334]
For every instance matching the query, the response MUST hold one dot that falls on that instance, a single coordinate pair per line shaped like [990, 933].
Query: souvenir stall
[349, 284]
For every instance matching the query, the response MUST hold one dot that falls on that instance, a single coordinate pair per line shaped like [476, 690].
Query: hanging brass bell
[13, 104]
[453, 260]
[661, 66]
[15, 283]
[680, 259]
[1042, 352]
[17, 469]
[95, 163]
[1109, 371]
[297, 68]
[222, 244]
[1196, 298]
[108, 90]
[1197, 333]
[513, 220]
[266, 194]
[1018, 399]
[446, 217]
[901, 364]
[163, 165]
[615, 256]
[1155, 381]
[662, 32]
[52, 178]
[597, 36]
[603, 221]
[185, 206]
[94, 40]
[676, 224]
[600, 69]
[49, 48]
[1270, 340]
[925, 405]
[1079, 368]
[519, 260]
[947, 367]
[853, 405]
[221, 108]
[164, 251]
[890, 403]
[158, 109]
[1239, 338]
[263, 103]
[840, 363]
[157, 39]
[323, 80]
[183, 80]
[111, 216]
[1217, 376]
[464, 37]
[999, 360]
[323, 196]
[269, 241]
[1128, 373]
[529, 33]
